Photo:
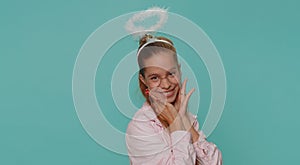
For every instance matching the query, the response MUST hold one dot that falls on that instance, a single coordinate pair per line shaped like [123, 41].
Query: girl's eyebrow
[155, 74]
[152, 74]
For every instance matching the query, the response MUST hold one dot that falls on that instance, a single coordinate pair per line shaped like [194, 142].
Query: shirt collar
[150, 114]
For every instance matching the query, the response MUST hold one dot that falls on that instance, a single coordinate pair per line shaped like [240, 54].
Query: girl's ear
[142, 79]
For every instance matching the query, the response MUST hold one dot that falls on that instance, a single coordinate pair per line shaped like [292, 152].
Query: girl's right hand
[164, 110]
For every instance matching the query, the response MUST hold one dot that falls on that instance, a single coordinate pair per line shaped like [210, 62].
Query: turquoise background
[258, 42]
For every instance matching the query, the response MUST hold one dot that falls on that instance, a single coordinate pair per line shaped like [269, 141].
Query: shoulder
[141, 123]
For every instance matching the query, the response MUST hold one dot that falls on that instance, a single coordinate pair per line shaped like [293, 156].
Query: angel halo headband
[139, 31]
[149, 41]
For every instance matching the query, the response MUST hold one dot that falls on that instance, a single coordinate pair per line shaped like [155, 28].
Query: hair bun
[144, 39]
[147, 37]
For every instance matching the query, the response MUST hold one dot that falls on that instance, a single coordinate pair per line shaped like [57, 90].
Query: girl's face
[162, 71]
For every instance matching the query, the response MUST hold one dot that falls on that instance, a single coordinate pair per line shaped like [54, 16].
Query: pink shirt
[149, 143]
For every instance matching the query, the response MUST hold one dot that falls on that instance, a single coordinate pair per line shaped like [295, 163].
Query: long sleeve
[207, 152]
[148, 145]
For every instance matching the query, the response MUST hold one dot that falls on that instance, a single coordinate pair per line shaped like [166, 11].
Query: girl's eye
[154, 78]
[172, 73]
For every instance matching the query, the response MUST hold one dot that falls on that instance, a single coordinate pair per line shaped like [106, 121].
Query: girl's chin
[171, 100]
[172, 97]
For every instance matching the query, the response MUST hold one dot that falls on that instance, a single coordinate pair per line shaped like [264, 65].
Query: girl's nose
[165, 83]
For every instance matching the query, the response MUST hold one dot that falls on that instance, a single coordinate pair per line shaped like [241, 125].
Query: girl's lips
[169, 93]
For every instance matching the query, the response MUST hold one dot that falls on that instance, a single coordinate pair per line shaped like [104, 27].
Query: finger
[161, 101]
[171, 108]
[157, 92]
[159, 105]
[178, 97]
[186, 99]
[157, 108]
[161, 118]
[182, 91]
[152, 92]
[152, 98]
[178, 101]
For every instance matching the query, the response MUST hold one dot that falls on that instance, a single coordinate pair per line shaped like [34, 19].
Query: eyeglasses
[156, 79]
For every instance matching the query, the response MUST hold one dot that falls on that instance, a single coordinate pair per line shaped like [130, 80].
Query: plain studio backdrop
[258, 42]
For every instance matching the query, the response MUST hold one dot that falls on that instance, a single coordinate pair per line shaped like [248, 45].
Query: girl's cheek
[152, 86]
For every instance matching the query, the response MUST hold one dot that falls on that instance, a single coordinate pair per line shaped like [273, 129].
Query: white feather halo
[139, 31]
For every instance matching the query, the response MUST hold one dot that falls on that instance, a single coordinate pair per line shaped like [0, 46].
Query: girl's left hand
[181, 105]
[182, 99]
